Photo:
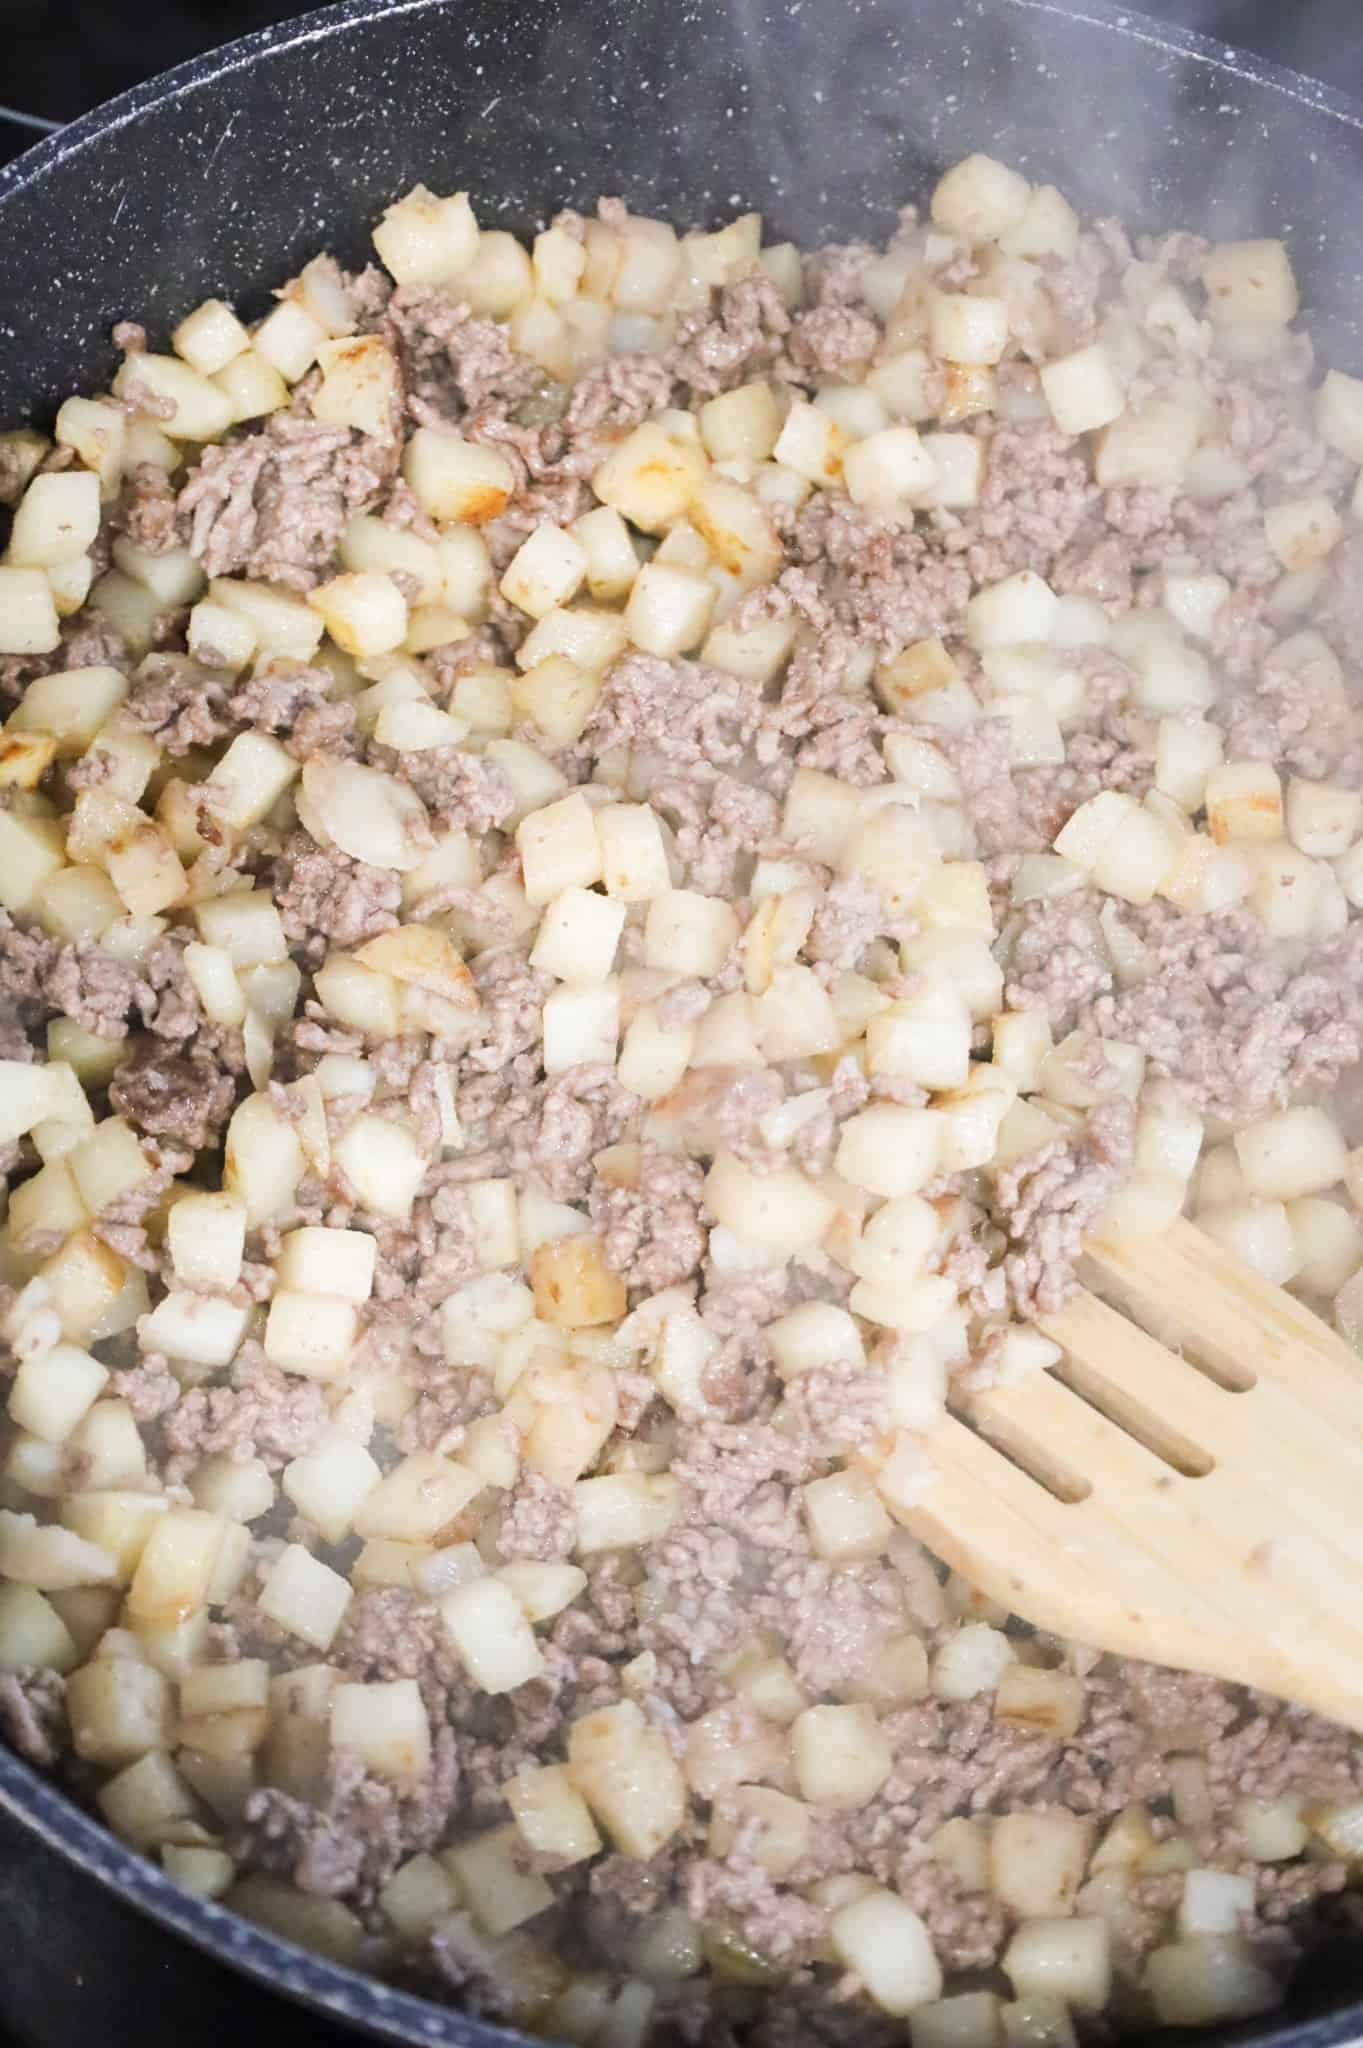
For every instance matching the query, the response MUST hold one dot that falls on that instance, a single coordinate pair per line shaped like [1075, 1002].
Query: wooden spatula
[1185, 1486]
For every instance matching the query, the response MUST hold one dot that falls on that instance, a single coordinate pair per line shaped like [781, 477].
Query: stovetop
[79, 1964]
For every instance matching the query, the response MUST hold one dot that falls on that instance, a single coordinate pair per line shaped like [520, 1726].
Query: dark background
[77, 1965]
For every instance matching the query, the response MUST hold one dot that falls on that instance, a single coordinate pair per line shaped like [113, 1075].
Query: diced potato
[1152, 443]
[205, 1872]
[669, 608]
[981, 199]
[423, 239]
[546, 570]
[457, 480]
[488, 1627]
[49, 1395]
[360, 386]
[119, 1709]
[543, 1589]
[28, 616]
[324, 1925]
[310, 1334]
[626, 1772]
[847, 1522]
[147, 1802]
[383, 1163]
[386, 1725]
[578, 936]
[890, 1150]
[418, 1499]
[1208, 1980]
[970, 1662]
[315, 1260]
[1250, 283]
[417, 1895]
[176, 1567]
[1323, 820]
[304, 1596]
[492, 1875]
[782, 1211]
[224, 1708]
[282, 623]
[1302, 531]
[33, 1633]
[840, 1755]
[198, 410]
[1291, 1152]
[558, 847]
[1084, 390]
[924, 1037]
[1037, 1860]
[651, 476]
[551, 1816]
[624, 1510]
[887, 1945]
[1061, 1958]
[237, 1491]
[574, 1287]
[327, 1485]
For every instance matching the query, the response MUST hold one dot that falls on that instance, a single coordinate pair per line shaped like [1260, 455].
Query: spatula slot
[1156, 1432]
[1036, 1460]
[1163, 1321]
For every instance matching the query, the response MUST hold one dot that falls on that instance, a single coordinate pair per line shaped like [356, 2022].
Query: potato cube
[688, 933]
[551, 1816]
[1249, 283]
[651, 476]
[980, 199]
[176, 1567]
[386, 1725]
[28, 616]
[782, 1211]
[198, 410]
[315, 1260]
[239, 1492]
[207, 1873]
[669, 608]
[626, 1772]
[491, 1873]
[383, 1163]
[418, 1499]
[304, 1596]
[365, 613]
[423, 239]
[888, 1946]
[578, 936]
[420, 1892]
[581, 1026]
[925, 1037]
[1151, 444]
[1037, 1861]
[847, 1522]
[1084, 390]
[310, 1334]
[360, 384]
[224, 1708]
[558, 847]
[49, 1394]
[323, 1925]
[812, 444]
[970, 1662]
[546, 570]
[202, 1329]
[1044, 1702]
[488, 1628]
[1291, 1152]
[624, 1510]
[209, 337]
[840, 1755]
[1208, 1980]
[543, 1589]
[1063, 1959]
[574, 1287]
[890, 1150]
[33, 1634]
[327, 1485]
[147, 1802]
[1302, 531]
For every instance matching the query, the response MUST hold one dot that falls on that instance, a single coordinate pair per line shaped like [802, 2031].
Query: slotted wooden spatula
[1186, 1485]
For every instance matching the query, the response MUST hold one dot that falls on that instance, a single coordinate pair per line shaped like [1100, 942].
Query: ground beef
[1049, 1200]
[325, 898]
[833, 341]
[539, 1520]
[148, 510]
[1059, 960]
[33, 1714]
[178, 702]
[289, 698]
[556, 1134]
[736, 343]
[462, 791]
[453, 363]
[1245, 1022]
[349, 1844]
[888, 585]
[167, 1095]
[273, 504]
[263, 1413]
[684, 714]
[651, 1233]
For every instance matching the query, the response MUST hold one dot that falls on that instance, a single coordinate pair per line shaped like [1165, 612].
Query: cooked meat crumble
[609, 858]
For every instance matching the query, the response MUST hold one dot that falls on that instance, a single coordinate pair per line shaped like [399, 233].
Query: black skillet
[224, 175]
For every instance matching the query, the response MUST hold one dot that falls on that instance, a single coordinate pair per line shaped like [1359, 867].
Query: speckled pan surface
[228, 172]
